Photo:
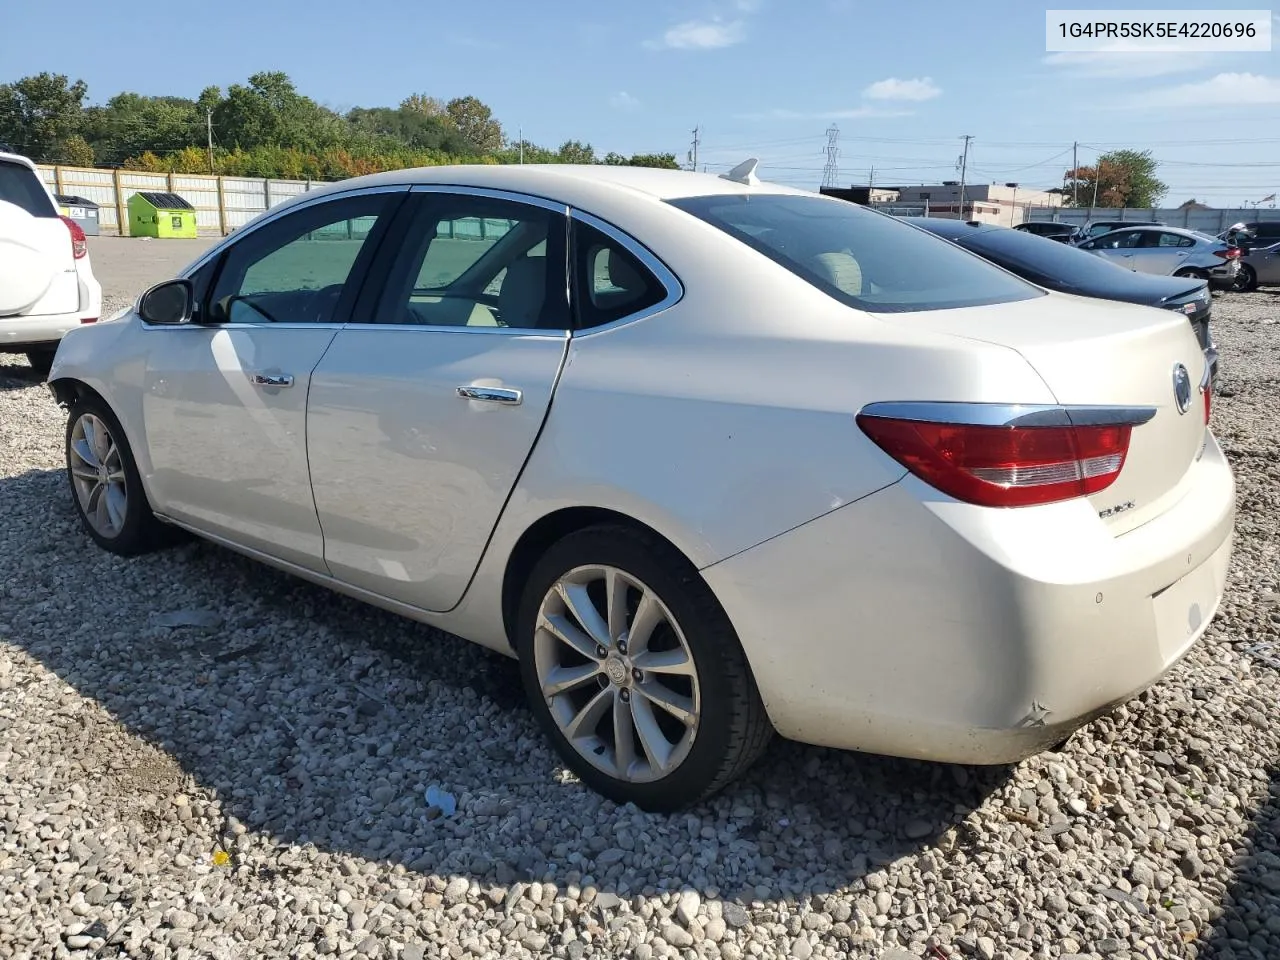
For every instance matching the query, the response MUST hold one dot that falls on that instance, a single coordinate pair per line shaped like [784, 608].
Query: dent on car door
[422, 416]
[224, 402]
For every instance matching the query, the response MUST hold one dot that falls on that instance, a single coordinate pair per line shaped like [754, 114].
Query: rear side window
[21, 187]
[863, 259]
[609, 282]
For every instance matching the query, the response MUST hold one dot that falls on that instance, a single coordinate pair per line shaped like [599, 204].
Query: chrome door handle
[273, 380]
[491, 394]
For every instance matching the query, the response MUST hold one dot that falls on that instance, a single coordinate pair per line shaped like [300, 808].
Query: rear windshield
[863, 259]
[21, 187]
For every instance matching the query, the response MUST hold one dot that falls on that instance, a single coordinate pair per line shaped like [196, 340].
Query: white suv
[46, 284]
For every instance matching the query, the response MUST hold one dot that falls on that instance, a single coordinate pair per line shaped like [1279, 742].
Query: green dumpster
[163, 215]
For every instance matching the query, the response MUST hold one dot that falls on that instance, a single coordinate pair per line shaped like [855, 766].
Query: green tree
[1120, 178]
[425, 105]
[474, 121]
[667, 161]
[40, 113]
[269, 111]
[575, 151]
[130, 123]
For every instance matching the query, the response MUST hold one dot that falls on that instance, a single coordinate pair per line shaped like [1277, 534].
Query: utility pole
[1075, 176]
[520, 134]
[871, 181]
[208, 123]
[964, 167]
[831, 172]
[693, 150]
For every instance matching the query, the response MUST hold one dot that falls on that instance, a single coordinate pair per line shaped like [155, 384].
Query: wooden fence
[222, 203]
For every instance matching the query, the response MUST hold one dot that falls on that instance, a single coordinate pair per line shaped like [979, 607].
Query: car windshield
[22, 188]
[1025, 254]
[863, 259]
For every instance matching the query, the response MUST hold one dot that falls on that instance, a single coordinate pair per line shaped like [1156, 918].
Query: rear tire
[41, 359]
[1246, 280]
[687, 703]
[106, 488]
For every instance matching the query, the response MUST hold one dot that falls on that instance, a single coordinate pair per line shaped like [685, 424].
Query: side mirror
[171, 302]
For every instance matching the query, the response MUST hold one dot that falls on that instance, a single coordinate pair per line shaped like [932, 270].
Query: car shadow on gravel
[1250, 923]
[17, 376]
[317, 719]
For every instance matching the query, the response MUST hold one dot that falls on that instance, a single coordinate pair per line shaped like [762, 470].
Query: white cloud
[856, 113]
[1224, 90]
[701, 35]
[917, 88]
[1118, 63]
[624, 101]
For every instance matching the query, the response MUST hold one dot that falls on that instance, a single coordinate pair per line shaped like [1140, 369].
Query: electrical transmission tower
[831, 172]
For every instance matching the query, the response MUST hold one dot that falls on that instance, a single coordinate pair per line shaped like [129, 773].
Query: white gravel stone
[251, 782]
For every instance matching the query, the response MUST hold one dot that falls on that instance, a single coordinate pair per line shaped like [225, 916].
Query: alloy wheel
[97, 472]
[617, 673]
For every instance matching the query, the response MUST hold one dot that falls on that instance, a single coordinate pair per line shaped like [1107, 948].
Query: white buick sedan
[712, 458]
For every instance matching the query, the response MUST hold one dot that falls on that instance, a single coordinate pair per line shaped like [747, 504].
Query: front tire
[1191, 272]
[106, 488]
[634, 671]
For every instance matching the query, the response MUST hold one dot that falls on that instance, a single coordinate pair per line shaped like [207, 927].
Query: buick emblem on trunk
[1181, 388]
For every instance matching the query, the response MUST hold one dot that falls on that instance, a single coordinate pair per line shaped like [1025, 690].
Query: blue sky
[761, 77]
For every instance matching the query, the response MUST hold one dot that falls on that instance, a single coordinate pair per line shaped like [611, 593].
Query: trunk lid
[1096, 352]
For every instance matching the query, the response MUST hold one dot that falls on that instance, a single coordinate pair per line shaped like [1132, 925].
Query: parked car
[1259, 265]
[1096, 228]
[1066, 270]
[1049, 229]
[1170, 251]
[51, 289]
[1257, 233]
[711, 457]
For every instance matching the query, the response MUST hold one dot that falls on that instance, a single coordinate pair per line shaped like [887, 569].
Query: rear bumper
[20, 333]
[1225, 275]
[948, 632]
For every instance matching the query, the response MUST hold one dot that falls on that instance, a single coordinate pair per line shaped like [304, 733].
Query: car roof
[563, 180]
[17, 158]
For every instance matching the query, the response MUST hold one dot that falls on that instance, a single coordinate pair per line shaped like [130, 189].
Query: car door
[224, 403]
[1160, 251]
[1266, 263]
[426, 407]
[1116, 247]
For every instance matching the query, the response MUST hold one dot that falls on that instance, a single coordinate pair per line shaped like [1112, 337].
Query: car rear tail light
[1231, 253]
[1004, 466]
[1206, 390]
[79, 246]
[88, 320]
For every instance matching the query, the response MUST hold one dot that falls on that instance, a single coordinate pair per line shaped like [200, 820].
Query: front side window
[472, 261]
[861, 258]
[295, 269]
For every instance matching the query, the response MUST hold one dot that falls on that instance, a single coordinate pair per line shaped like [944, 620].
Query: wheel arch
[548, 530]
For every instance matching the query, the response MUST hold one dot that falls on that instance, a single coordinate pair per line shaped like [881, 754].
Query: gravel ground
[253, 784]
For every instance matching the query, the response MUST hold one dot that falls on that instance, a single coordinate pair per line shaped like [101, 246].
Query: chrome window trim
[278, 211]
[666, 278]
[287, 325]
[535, 332]
[1011, 414]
